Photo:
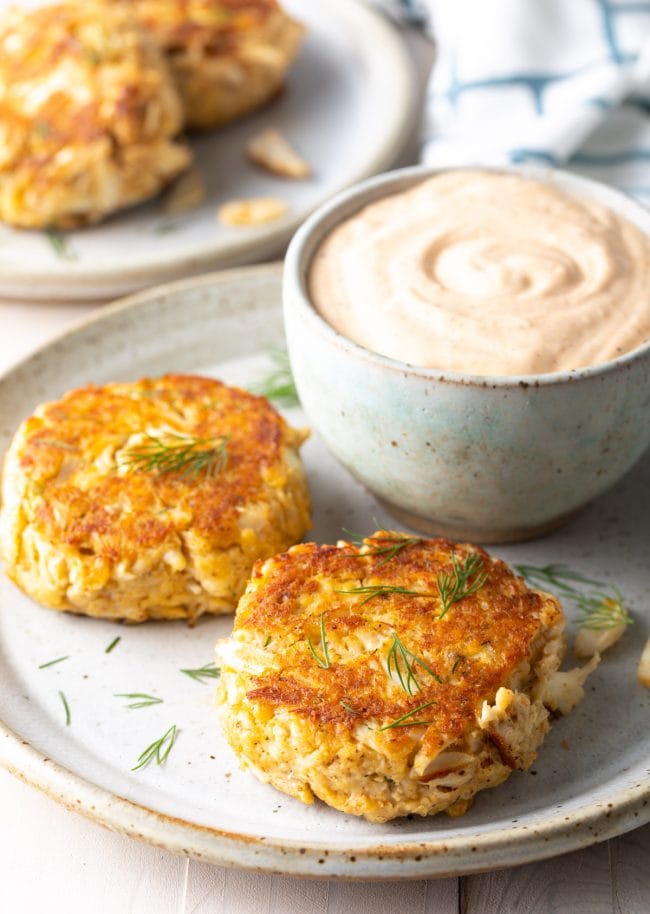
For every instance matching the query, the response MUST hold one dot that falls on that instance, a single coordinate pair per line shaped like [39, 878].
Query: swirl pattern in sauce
[487, 273]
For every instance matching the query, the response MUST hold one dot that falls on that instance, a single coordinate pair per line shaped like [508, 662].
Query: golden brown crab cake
[229, 57]
[398, 676]
[88, 115]
[151, 499]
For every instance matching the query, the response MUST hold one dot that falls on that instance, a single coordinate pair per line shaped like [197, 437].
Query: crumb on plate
[271, 150]
[251, 212]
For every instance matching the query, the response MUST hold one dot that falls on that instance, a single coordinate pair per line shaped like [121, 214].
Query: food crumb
[643, 669]
[254, 211]
[273, 152]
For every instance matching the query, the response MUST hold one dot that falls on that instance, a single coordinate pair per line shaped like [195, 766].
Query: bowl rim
[309, 236]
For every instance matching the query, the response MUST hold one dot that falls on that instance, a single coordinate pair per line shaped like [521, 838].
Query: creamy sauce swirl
[487, 273]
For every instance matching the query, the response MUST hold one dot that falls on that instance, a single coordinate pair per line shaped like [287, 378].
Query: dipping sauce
[486, 273]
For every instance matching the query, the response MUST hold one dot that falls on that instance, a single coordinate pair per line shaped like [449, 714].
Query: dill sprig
[159, 750]
[381, 590]
[400, 663]
[457, 584]
[601, 611]
[324, 661]
[44, 666]
[559, 576]
[600, 606]
[208, 671]
[173, 225]
[406, 721]
[392, 545]
[348, 707]
[139, 699]
[66, 708]
[113, 644]
[59, 244]
[186, 455]
[278, 385]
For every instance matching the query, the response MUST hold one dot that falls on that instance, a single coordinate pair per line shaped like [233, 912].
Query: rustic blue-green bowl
[485, 458]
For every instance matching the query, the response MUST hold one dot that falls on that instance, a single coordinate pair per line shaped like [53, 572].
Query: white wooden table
[54, 861]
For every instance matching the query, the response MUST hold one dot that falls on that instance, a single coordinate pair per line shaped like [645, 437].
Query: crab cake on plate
[229, 57]
[399, 675]
[150, 500]
[88, 115]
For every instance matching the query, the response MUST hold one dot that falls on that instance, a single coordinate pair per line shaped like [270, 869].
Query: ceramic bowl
[486, 458]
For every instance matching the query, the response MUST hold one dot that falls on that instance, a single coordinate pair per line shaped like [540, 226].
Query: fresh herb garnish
[405, 719]
[59, 244]
[268, 641]
[392, 545]
[92, 56]
[186, 455]
[158, 750]
[601, 606]
[458, 584]
[349, 708]
[44, 666]
[139, 699]
[166, 228]
[600, 611]
[381, 590]
[66, 708]
[400, 663]
[279, 384]
[113, 644]
[324, 661]
[209, 671]
[559, 576]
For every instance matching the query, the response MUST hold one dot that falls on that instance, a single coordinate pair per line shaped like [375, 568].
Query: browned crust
[128, 510]
[214, 27]
[55, 33]
[473, 649]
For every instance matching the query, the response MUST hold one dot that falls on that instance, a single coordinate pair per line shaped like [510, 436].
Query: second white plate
[348, 108]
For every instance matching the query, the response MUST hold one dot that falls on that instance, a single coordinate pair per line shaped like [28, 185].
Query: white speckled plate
[591, 780]
[348, 108]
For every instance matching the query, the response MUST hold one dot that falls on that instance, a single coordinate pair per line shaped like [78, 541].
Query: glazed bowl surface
[486, 458]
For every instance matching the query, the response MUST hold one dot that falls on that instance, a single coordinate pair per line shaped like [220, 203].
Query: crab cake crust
[88, 527]
[88, 115]
[331, 713]
[229, 57]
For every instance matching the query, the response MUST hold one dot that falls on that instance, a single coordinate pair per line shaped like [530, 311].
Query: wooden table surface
[53, 861]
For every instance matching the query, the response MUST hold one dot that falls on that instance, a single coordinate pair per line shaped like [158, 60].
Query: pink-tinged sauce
[486, 273]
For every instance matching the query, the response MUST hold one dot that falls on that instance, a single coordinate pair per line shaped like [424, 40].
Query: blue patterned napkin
[554, 82]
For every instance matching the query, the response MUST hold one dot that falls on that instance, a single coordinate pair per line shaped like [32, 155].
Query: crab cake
[88, 115]
[397, 676]
[150, 500]
[229, 57]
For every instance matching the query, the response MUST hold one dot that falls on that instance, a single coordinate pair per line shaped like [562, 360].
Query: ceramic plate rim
[513, 845]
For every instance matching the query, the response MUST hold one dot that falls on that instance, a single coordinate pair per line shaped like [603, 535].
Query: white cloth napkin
[553, 82]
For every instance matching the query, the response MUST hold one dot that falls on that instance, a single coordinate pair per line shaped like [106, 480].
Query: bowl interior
[315, 229]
